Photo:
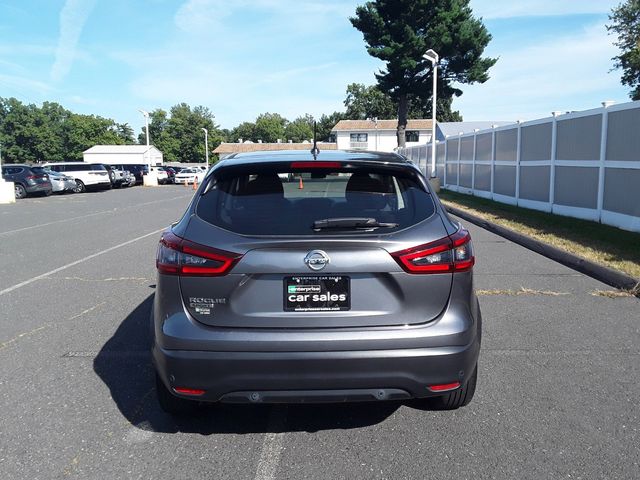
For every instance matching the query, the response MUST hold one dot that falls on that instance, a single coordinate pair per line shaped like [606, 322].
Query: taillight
[447, 255]
[177, 256]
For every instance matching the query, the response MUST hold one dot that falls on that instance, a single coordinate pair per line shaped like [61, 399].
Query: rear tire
[80, 188]
[21, 192]
[171, 404]
[457, 398]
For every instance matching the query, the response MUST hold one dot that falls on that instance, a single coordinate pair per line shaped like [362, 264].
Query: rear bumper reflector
[194, 392]
[445, 387]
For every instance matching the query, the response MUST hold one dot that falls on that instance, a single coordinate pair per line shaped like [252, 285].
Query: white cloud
[563, 73]
[23, 85]
[73, 17]
[206, 16]
[490, 9]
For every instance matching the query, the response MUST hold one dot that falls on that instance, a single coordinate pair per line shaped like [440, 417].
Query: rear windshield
[288, 202]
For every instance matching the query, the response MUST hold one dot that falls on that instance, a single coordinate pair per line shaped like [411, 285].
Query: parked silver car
[349, 284]
[61, 183]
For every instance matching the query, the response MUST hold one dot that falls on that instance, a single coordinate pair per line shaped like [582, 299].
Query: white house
[379, 135]
[127, 154]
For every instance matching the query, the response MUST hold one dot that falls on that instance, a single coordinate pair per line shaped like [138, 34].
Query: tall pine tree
[625, 22]
[399, 32]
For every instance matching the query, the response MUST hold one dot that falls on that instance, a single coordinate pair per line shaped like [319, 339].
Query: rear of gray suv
[301, 278]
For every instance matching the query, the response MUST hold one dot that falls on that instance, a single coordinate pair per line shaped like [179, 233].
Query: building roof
[134, 149]
[258, 147]
[454, 128]
[354, 125]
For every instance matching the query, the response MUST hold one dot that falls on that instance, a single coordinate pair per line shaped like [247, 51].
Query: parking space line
[272, 445]
[113, 210]
[72, 264]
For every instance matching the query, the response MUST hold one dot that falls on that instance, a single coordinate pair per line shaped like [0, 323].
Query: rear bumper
[272, 377]
[39, 188]
[313, 365]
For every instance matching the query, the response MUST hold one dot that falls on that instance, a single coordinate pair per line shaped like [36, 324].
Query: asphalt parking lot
[557, 393]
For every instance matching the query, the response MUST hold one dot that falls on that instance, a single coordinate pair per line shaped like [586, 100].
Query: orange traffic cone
[195, 183]
[300, 184]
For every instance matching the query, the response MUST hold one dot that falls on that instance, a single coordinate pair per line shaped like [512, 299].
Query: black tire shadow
[124, 365]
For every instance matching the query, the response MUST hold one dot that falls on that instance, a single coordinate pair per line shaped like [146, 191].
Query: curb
[606, 275]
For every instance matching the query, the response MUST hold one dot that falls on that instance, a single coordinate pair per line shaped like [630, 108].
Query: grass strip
[602, 244]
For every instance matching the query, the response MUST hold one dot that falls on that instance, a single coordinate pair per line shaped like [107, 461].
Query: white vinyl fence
[580, 164]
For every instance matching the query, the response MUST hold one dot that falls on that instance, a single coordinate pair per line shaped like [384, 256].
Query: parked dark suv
[349, 284]
[137, 169]
[27, 180]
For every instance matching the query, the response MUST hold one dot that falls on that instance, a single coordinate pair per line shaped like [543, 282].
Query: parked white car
[85, 174]
[162, 176]
[189, 175]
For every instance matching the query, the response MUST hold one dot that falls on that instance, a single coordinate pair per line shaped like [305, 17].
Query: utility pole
[206, 145]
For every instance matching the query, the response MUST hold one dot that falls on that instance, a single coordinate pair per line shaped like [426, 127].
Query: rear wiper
[350, 223]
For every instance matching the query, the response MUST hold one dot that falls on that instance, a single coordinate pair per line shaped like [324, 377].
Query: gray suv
[27, 180]
[350, 283]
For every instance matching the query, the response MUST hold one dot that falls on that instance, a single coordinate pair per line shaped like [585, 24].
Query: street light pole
[432, 56]
[145, 114]
[206, 145]
[150, 179]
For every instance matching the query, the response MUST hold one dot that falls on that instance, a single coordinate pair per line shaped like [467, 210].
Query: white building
[379, 135]
[127, 154]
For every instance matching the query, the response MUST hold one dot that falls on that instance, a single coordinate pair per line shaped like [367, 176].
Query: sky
[246, 57]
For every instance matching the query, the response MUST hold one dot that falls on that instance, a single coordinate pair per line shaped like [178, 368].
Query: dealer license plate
[329, 293]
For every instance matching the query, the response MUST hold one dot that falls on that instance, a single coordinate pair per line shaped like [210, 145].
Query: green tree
[178, 134]
[364, 102]
[125, 132]
[625, 23]
[326, 124]
[157, 124]
[18, 126]
[183, 139]
[300, 129]
[269, 127]
[244, 131]
[81, 132]
[399, 32]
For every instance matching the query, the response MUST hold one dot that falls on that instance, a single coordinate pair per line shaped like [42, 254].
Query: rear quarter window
[288, 202]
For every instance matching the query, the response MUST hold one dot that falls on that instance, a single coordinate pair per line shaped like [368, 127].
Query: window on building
[412, 136]
[359, 137]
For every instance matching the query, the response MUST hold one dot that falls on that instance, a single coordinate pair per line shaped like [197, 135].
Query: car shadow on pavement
[124, 365]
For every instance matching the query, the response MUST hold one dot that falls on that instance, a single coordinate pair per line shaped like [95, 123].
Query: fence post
[518, 157]
[552, 168]
[446, 159]
[473, 160]
[603, 157]
[493, 156]
[459, 155]
[444, 164]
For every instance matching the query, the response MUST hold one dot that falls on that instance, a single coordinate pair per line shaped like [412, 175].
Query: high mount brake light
[177, 256]
[315, 164]
[447, 255]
